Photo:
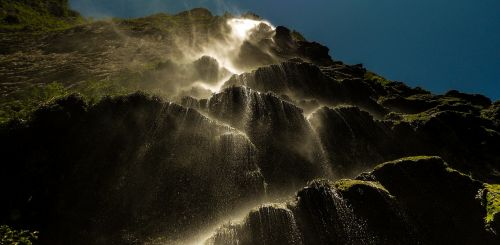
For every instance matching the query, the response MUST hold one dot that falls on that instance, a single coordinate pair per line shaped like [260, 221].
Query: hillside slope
[241, 133]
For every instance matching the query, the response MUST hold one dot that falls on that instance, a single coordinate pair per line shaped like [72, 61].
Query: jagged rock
[207, 69]
[135, 169]
[491, 201]
[269, 224]
[417, 200]
[314, 52]
[440, 200]
[128, 165]
[286, 159]
[301, 80]
[475, 99]
[283, 38]
[196, 12]
[354, 142]
[254, 55]
[493, 113]
[324, 217]
[411, 104]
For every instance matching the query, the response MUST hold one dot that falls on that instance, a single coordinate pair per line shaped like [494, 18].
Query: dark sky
[436, 44]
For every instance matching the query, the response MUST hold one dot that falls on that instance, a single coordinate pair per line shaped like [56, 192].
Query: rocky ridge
[134, 168]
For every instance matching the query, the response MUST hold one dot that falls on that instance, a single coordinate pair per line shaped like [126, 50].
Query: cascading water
[287, 160]
[227, 50]
[327, 217]
[270, 224]
[320, 215]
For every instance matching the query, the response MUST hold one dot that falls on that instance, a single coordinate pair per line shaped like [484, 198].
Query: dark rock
[283, 38]
[315, 52]
[416, 200]
[197, 13]
[207, 69]
[436, 198]
[252, 55]
[86, 174]
[302, 80]
[352, 139]
[11, 19]
[268, 224]
[287, 160]
[475, 99]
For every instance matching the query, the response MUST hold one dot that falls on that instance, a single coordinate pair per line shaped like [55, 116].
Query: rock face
[261, 113]
[84, 174]
[416, 200]
[287, 160]
[270, 224]
[436, 197]
[345, 132]
[463, 139]
[302, 80]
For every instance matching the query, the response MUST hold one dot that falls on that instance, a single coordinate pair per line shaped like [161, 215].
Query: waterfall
[270, 224]
[320, 215]
[289, 151]
[327, 217]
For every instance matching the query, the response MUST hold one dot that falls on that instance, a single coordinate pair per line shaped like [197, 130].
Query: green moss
[21, 103]
[297, 36]
[41, 15]
[456, 172]
[346, 184]
[423, 116]
[374, 77]
[17, 237]
[195, 21]
[492, 218]
[413, 159]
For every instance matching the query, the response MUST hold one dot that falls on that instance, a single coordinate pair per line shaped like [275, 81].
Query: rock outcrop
[261, 113]
[287, 160]
[126, 167]
[417, 200]
[355, 141]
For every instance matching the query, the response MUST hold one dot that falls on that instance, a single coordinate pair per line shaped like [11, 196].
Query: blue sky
[436, 44]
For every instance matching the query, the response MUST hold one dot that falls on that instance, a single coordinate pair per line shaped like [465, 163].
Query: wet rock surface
[260, 114]
[86, 174]
[463, 139]
[417, 200]
[287, 160]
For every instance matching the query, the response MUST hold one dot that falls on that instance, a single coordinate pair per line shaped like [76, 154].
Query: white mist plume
[227, 49]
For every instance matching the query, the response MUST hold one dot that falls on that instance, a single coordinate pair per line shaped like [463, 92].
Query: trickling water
[320, 216]
[270, 224]
[226, 235]
[328, 217]
[278, 129]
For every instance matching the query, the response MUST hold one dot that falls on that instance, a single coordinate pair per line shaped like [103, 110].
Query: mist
[221, 128]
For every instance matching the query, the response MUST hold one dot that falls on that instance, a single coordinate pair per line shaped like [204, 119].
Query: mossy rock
[9, 235]
[492, 203]
[39, 15]
[441, 200]
[345, 185]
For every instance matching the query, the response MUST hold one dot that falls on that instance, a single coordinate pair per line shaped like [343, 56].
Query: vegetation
[345, 184]
[9, 236]
[297, 36]
[374, 77]
[492, 206]
[194, 20]
[39, 15]
[21, 103]
[407, 159]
